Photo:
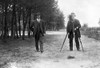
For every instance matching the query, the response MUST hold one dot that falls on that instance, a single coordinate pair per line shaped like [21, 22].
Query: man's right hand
[76, 28]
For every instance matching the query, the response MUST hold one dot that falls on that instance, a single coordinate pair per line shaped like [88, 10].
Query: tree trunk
[29, 22]
[16, 30]
[2, 23]
[23, 25]
[19, 17]
[5, 21]
[25, 18]
[13, 20]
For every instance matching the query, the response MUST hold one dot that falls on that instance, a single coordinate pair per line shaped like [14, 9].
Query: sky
[87, 11]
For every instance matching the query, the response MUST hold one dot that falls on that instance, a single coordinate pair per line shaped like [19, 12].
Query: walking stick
[63, 42]
[81, 45]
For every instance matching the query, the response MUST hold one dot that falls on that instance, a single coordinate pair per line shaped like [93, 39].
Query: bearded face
[72, 16]
[38, 18]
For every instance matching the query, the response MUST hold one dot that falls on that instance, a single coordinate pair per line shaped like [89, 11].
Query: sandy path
[22, 53]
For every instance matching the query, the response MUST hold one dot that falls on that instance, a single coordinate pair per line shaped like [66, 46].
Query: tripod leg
[63, 42]
[81, 45]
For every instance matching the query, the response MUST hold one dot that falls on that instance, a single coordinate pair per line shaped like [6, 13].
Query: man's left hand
[76, 28]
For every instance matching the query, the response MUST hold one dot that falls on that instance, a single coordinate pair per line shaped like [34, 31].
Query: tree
[84, 27]
[15, 16]
[99, 22]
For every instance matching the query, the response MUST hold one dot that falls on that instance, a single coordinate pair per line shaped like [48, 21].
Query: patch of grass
[92, 33]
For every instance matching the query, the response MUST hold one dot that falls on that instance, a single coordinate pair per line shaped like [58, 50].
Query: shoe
[71, 49]
[41, 51]
[37, 50]
[78, 50]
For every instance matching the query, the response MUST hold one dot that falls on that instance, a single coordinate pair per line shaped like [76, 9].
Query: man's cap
[37, 13]
[73, 14]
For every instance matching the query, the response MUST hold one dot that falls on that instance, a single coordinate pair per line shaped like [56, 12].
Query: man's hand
[76, 28]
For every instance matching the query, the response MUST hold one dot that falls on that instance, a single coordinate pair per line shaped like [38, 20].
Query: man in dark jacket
[73, 30]
[39, 30]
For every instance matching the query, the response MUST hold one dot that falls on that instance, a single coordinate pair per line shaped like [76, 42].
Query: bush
[92, 33]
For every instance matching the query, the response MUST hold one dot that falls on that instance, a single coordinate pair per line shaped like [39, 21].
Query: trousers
[39, 43]
[71, 37]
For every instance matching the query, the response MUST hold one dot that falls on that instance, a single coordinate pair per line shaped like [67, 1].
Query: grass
[92, 33]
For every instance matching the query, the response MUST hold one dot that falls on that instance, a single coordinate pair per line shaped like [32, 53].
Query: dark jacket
[38, 28]
[71, 26]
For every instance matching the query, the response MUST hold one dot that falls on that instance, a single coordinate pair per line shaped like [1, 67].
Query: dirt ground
[22, 54]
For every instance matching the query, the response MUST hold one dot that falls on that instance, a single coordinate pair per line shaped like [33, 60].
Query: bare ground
[22, 54]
